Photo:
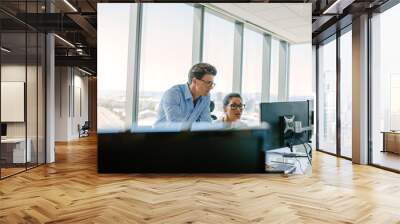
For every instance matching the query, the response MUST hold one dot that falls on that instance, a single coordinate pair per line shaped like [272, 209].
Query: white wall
[33, 125]
[62, 81]
[71, 87]
[79, 117]
[12, 73]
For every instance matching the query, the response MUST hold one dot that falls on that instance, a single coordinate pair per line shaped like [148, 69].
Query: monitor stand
[292, 154]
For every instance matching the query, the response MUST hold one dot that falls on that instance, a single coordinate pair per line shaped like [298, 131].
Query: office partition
[22, 78]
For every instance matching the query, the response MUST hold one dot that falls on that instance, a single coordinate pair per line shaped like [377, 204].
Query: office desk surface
[18, 152]
[13, 140]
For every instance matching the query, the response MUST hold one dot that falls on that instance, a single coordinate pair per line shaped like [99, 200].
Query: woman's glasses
[237, 106]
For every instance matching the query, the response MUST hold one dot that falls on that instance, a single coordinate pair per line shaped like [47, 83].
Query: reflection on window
[327, 97]
[166, 55]
[113, 35]
[218, 51]
[274, 83]
[346, 94]
[252, 73]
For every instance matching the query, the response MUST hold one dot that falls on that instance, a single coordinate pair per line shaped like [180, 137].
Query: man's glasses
[237, 106]
[208, 83]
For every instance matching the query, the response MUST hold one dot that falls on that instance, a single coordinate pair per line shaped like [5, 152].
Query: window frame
[334, 37]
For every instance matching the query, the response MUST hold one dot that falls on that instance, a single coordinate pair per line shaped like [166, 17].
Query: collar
[187, 93]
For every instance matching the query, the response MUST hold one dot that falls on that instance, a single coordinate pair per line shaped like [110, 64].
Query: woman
[233, 108]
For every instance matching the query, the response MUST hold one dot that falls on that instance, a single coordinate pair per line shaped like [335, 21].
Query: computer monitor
[290, 123]
[3, 129]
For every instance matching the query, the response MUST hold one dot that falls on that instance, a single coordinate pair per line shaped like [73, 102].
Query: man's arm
[172, 107]
[205, 115]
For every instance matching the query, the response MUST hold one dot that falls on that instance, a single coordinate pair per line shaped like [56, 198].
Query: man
[189, 102]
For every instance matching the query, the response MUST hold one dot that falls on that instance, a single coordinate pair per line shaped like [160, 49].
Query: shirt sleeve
[171, 106]
[205, 114]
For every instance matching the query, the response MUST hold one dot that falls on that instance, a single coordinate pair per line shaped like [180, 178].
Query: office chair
[84, 130]
[212, 106]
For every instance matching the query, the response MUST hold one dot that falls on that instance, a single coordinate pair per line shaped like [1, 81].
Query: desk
[391, 141]
[15, 148]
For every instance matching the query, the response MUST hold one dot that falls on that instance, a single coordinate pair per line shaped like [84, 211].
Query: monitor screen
[275, 113]
[3, 129]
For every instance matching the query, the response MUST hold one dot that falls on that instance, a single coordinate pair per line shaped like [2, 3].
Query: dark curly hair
[228, 97]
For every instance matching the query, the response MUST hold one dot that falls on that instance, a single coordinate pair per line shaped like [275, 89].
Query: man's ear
[225, 109]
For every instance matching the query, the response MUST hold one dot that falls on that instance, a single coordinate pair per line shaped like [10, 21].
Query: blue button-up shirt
[177, 106]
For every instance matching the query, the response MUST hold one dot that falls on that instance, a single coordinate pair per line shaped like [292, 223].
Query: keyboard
[293, 154]
[280, 168]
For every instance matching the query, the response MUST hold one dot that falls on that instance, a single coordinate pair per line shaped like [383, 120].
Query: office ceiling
[332, 15]
[291, 22]
[284, 18]
[78, 27]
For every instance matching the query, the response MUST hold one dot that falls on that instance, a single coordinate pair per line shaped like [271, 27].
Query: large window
[113, 29]
[346, 94]
[394, 101]
[300, 73]
[166, 54]
[252, 73]
[327, 97]
[385, 84]
[218, 51]
[301, 77]
[274, 83]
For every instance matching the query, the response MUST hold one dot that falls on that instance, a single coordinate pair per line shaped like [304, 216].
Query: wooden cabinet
[391, 142]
